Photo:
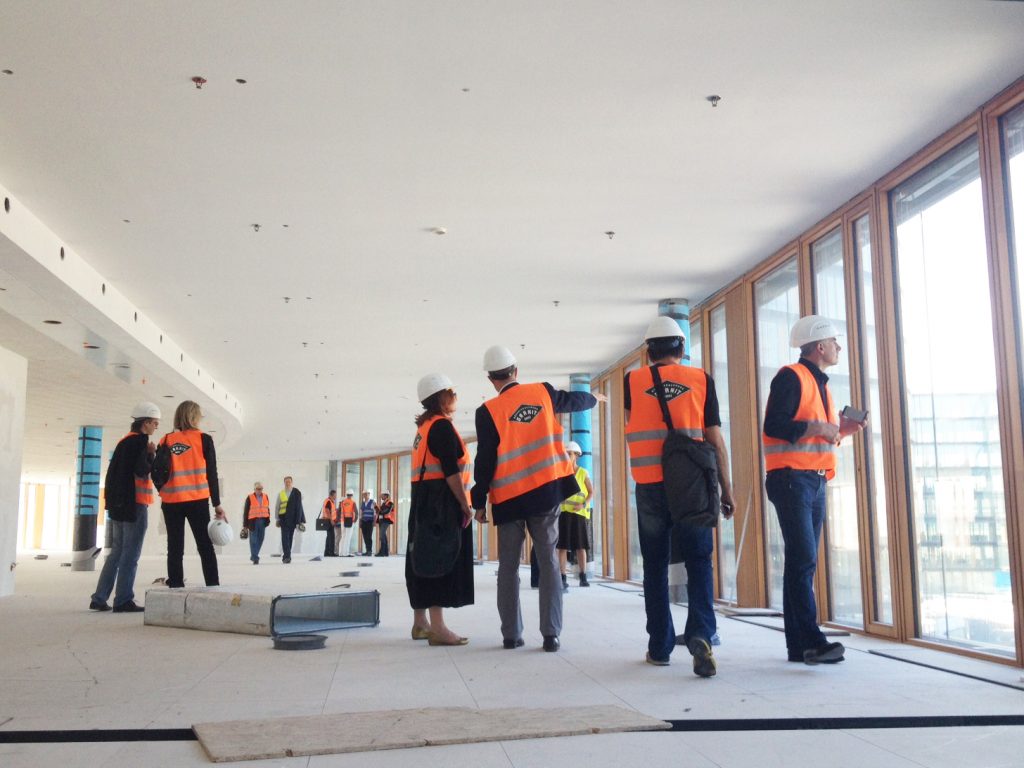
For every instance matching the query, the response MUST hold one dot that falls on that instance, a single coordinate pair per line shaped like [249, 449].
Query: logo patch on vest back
[416, 441]
[672, 390]
[179, 448]
[524, 414]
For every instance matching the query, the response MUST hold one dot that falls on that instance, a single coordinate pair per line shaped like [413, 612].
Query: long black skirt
[452, 590]
[572, 531]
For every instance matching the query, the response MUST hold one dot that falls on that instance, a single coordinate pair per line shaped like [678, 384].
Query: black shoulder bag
[691, 471]
[435, 535]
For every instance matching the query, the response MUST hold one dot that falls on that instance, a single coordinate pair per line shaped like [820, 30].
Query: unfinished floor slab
[400, 729]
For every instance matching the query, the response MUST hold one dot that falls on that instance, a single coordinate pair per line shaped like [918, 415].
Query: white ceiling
[527, 129]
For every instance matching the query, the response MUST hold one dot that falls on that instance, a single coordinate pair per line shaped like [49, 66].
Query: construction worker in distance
[290, 515]
[521, 465]
[385, 517]
[693, 407]
[256, 518]
[801, 430]
[348, 519]
[572, 520]
[329, 512]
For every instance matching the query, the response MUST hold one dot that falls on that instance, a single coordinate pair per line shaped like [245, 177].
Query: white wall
[13, 387]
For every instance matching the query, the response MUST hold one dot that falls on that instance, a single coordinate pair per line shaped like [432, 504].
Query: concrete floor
[64, 667]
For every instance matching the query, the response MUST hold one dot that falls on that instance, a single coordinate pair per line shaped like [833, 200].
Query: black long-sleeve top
[539, 500]
[131, 459]
[784, 400]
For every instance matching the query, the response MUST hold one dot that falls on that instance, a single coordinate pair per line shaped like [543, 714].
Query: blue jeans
[799, 499]
[655, 528]
[256, 534]
[123, 558]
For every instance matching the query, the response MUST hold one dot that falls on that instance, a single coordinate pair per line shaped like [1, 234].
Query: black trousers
[197, 513]
[329, 544]
[287, 534]
[384, 549]
[367, 529]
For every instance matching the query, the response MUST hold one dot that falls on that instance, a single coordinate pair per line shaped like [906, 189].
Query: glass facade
[402, 494]
[636, 560]
[842, 534]
[776, 308]
[1013, 153]
[720, 373]
[952, 444]
[876, 457]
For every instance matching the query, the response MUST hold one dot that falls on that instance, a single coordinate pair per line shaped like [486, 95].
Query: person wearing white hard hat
[691, 402]
[522, 468]
[385, 517]
[290, 515]
[572, 520]
[349, 510]
[128, 494]
[801, 430]
[439, 557]
[191, 487]
[367, 521]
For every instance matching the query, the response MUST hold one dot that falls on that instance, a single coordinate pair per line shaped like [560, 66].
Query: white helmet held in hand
[431, 384]
[812, 328]
[220, 532]
[146, 410]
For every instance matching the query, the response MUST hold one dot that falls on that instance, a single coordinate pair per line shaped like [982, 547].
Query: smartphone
[854, 414]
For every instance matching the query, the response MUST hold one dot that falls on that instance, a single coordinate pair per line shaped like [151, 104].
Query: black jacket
[294, 513]
[130, 460]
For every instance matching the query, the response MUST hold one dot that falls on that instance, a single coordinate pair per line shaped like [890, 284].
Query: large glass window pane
[877, 502]
[611, 501]
[403, 498]
[1013, 152]
[953, 444]
[696, 344]
[720, 373]
[776, 308]
[636, 561]
[596, 473]
[843, 537]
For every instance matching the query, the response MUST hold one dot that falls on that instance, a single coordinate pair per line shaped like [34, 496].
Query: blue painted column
[580, 431]
[87, 498]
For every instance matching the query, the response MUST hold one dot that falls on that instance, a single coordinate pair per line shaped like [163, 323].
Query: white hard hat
[220, 532]
[146, 411]
[812, 328]
[349, 492]
[573, 447]
[431, 384]
[385, 493]
[498, 358]
[663, 327]
[368, 490]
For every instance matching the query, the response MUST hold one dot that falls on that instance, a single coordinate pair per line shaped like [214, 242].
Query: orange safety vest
[530, 450]
[145, 491]
[188, 468]
[422, 457]
[348, 509]
[387, 511]
[330, 510]
[259, 506]
[807, 453]
[686, 391]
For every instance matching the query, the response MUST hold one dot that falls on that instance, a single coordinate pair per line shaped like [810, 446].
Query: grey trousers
[544, 531]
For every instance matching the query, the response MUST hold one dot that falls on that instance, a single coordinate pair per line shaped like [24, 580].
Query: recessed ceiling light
[87, 345]
[8, 72]
[241, 80]
[53, 322]
[168, 396]
[127, 221]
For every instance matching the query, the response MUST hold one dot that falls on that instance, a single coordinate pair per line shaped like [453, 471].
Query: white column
[13, 389]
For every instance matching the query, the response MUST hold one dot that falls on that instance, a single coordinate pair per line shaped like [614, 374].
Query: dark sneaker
[98, 605]
[551, 643]
[565, 583]
[827, 653]
[703, 658]
[656, 662]
[129, 607]
[510, 645]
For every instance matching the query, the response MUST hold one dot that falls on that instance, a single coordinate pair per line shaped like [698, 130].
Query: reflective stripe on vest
[282, 504]
[421, 456]
[259, 506]
[807, 453]
[187, 481]
[145, 491]
[577, 498]
[348, 509]
[330, 511]
[686, 390]
[530, 450]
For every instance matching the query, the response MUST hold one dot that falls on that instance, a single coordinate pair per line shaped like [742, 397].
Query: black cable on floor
[112, 734]
[843, 723]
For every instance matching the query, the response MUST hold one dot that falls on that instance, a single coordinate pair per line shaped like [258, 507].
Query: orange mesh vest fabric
[330, 510]
[422, 457]
[809, 453]
[686, 391]
[530, 450]
[145, 491]
[259, 506]
[348, 509]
